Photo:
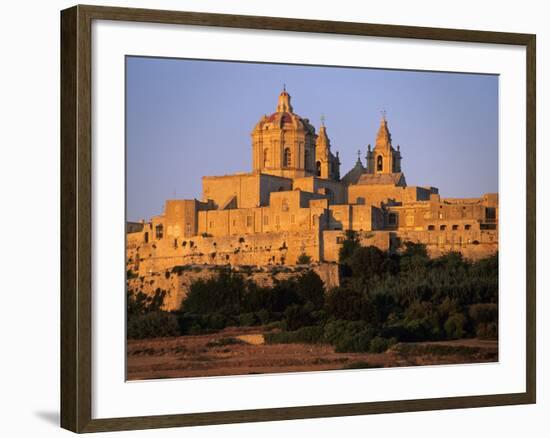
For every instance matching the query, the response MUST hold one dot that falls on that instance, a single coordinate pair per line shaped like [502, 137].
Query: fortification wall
[277, 248]
[474, 244]
[177, 279]
[332, 241]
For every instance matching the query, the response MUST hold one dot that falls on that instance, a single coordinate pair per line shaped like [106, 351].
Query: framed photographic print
[268, 218]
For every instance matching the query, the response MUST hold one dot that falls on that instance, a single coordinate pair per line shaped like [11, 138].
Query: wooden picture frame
[76, 217]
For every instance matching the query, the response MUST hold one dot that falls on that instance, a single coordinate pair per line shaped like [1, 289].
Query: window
[159, 231]
[392, 219]
[287, 158]
[318, 168]
[211, 224]
[431, 228]
[266, 220]
[284, 206]
[379, 164]
[146, 237]
[175, 243]
[443, 227]
[455, 227]
[440, 215]
[266, 157]
[249, 221]
[467, 227]
[234, 222]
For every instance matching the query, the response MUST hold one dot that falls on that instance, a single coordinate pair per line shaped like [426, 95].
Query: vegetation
[303, 259]
[145, 317]
[383, 299]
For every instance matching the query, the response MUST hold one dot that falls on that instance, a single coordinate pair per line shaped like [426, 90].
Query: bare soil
[241, 350]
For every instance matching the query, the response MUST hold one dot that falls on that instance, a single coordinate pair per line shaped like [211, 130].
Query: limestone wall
[332, 242]
[220, 189]
[381, 193]
[474, 243]
[176, 280]
[274, 248]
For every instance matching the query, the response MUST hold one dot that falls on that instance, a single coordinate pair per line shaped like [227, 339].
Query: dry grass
[238, 351]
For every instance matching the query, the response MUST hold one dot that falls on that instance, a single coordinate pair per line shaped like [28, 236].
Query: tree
[349, 245]
[310, 288]
[368, 263]
[221, 294]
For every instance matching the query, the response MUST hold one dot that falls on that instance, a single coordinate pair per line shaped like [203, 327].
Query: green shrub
[354, 343]
[368, 263]
[310, 288]
[217, 321]
[483, 312]
[348, 336]
[152, 325]
[454, 326]
[248, 319]
[411, 331]
[337, 329]
[138, 303]
[343, 303]
[380, 345]
[487, 330]
[303, 259]
[296, 317]
[263, 316]
[220, 294]
[305, 335]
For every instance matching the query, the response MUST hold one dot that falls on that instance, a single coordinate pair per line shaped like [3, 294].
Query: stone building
[295, 203]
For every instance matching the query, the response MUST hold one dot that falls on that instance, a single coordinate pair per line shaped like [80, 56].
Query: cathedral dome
[283, 143]
[284, 115]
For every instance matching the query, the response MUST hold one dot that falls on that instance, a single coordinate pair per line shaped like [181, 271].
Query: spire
[383, 138]
[284, 106]
[323, 141]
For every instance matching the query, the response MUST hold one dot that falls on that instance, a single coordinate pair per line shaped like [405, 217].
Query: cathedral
[294, 205]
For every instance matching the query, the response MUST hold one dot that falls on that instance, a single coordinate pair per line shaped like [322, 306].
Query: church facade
[294, 203]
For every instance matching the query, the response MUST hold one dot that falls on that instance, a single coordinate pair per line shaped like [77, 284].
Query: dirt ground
[237, 351]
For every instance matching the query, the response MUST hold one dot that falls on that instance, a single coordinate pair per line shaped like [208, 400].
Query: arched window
[287, 158]
[266, 157]
[318, 171]
[379, 165]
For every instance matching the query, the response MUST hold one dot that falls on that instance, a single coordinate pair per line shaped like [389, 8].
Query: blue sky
[189, 118]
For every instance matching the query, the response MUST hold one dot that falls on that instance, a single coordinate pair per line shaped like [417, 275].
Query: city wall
[177, 279]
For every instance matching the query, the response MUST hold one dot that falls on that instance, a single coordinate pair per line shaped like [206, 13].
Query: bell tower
[384, 158]
[327, 165]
